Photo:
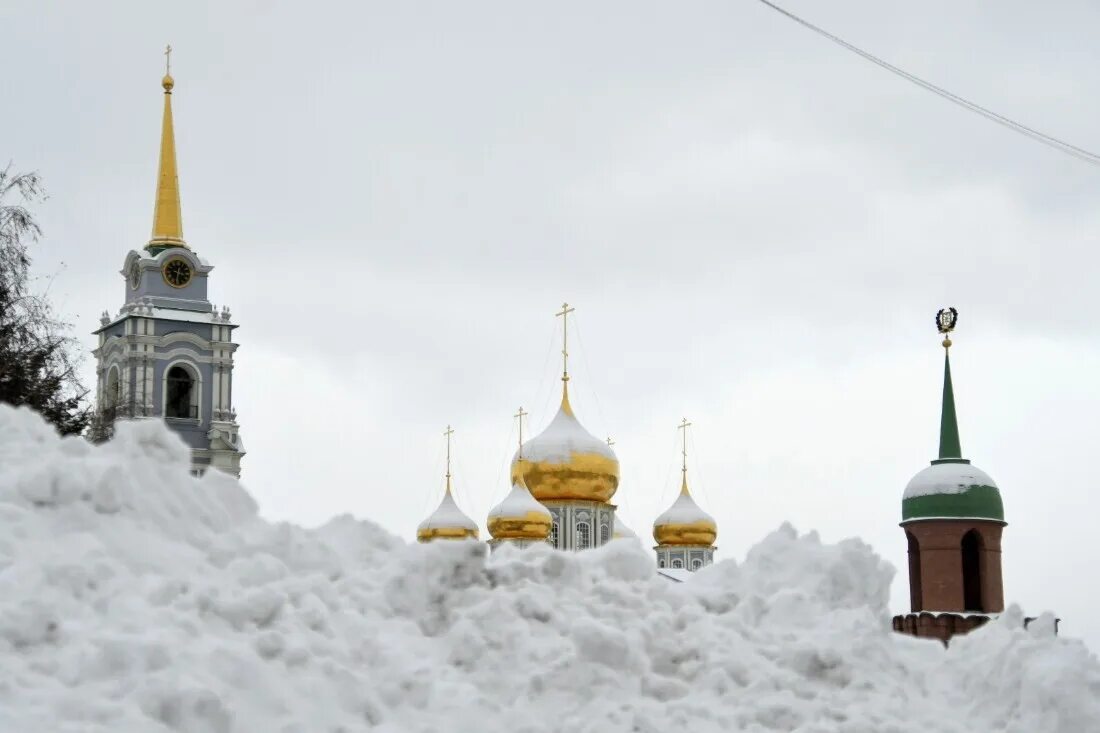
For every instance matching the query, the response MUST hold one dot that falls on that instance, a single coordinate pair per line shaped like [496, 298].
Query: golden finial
[519, 416]
[946, 319]
[683, 427]
[168, 82]
[448, 433]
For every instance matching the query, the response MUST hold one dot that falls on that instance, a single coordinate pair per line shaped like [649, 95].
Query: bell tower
[953, 517]
[168, 352]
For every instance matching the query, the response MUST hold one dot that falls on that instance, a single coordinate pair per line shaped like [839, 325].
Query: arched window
[605, 534]
[554, 533]
[661, 563]
[916, 603]
[180, 394]
[584, 536]
[972, 571]
[696, 564]
[113, 396]
[678, 564]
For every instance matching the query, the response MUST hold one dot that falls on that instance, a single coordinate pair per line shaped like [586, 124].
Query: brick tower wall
[936, 575]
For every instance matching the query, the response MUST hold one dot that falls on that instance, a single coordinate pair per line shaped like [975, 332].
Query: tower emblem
[946, 319]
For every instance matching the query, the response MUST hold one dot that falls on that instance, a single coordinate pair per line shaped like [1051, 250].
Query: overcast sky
[755, 226]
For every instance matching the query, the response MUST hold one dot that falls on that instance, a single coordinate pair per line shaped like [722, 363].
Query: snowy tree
[38, 354]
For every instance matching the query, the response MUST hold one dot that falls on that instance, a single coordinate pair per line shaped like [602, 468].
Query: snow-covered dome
[684, 523]
[623, 531]
[952, 488]
[566, 462]
[447, 522]
[519, 516]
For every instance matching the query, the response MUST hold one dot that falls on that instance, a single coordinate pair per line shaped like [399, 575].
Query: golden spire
[684, 465]
[167, 219]
[564, 314]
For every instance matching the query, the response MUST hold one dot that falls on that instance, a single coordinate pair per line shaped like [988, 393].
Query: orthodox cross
[519, 416]
[564, 313]
[448, 433]
[168, 60]
[684, 427]
[610, 442]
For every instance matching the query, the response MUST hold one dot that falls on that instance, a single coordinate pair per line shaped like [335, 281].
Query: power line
[1040, 137]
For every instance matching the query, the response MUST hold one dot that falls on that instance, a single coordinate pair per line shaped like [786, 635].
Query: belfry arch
[971, 548]
[914, 571]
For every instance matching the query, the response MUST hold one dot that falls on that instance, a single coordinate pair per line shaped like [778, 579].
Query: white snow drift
[134, 597]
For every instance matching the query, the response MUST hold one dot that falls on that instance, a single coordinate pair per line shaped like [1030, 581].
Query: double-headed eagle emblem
[946, 320]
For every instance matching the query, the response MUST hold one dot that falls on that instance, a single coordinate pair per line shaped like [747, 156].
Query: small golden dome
[684, 523]
[566, 462]
[168, 82]
[447, 522]
[520, 516]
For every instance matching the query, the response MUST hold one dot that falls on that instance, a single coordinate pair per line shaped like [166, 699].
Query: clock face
[177, 273]
[135, 276]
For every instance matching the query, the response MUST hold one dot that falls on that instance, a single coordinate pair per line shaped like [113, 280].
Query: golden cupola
[447, 522]
[520, 516]
[685, 523]
[565, 462]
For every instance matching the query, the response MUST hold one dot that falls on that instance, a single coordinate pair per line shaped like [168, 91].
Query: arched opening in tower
[177, 399]
[915, 602]
[114, 390]
[972, 571]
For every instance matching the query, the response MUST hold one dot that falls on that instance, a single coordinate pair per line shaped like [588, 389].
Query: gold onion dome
[519, 516]
[684, 523]
[447, 522]
[566, 462]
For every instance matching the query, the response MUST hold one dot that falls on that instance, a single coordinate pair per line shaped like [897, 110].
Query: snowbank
[134, 597]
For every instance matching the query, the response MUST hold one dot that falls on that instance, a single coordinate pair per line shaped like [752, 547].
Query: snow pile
[134, 597]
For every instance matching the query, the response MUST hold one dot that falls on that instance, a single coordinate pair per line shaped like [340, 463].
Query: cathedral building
[168, 352]
[563, 480]
[953, 517]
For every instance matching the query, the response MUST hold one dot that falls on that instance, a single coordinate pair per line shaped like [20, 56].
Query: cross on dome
[564, 315]
[447, 434]
[519, 417]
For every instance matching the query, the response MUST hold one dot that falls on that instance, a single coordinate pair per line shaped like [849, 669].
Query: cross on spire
[519, 416]
[168, 60]
[610, 442]
[448, 433]
[564, 314]
[684, 425]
